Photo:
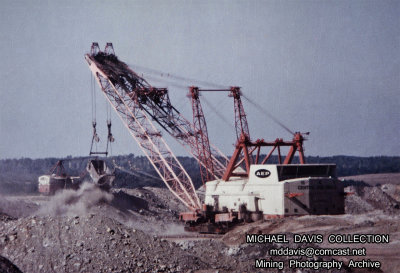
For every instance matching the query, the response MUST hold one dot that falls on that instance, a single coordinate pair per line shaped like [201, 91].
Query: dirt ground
[137, 230]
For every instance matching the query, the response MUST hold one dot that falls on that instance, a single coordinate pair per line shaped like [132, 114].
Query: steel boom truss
[156, 104]
[124, 91]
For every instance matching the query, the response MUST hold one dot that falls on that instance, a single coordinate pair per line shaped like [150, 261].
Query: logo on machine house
[262, 173]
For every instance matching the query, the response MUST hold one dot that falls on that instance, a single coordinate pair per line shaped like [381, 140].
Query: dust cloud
[71, 202]
[16, 208]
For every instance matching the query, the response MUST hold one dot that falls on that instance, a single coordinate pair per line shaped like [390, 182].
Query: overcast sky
[328, 67]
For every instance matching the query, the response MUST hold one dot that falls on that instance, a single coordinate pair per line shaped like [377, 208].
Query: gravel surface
[367, 199]
[137, 230]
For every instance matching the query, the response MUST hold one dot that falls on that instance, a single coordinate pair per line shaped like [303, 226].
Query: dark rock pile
[367, 199]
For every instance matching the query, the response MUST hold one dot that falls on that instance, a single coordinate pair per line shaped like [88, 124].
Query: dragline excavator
[242, 188]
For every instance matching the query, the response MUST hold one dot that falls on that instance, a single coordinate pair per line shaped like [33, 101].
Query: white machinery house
[277, 190]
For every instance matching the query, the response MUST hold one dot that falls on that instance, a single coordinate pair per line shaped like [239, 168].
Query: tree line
[20, 175]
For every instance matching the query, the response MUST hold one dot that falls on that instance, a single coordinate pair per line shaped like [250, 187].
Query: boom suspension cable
[176, 77]
[165, 81]
[262, 110]
[224, 119]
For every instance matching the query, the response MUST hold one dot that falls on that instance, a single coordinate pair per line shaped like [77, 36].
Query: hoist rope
[91, 95]
[94, 102]
[109, 141]
[95, 138]
[94, 112]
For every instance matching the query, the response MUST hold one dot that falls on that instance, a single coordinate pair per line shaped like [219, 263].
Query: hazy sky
[328, 67]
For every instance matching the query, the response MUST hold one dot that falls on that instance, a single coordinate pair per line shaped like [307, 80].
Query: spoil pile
[367, 199]
[5, 217]
[95, 243]
[126, 230]
[17, 207]
[92, 243]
